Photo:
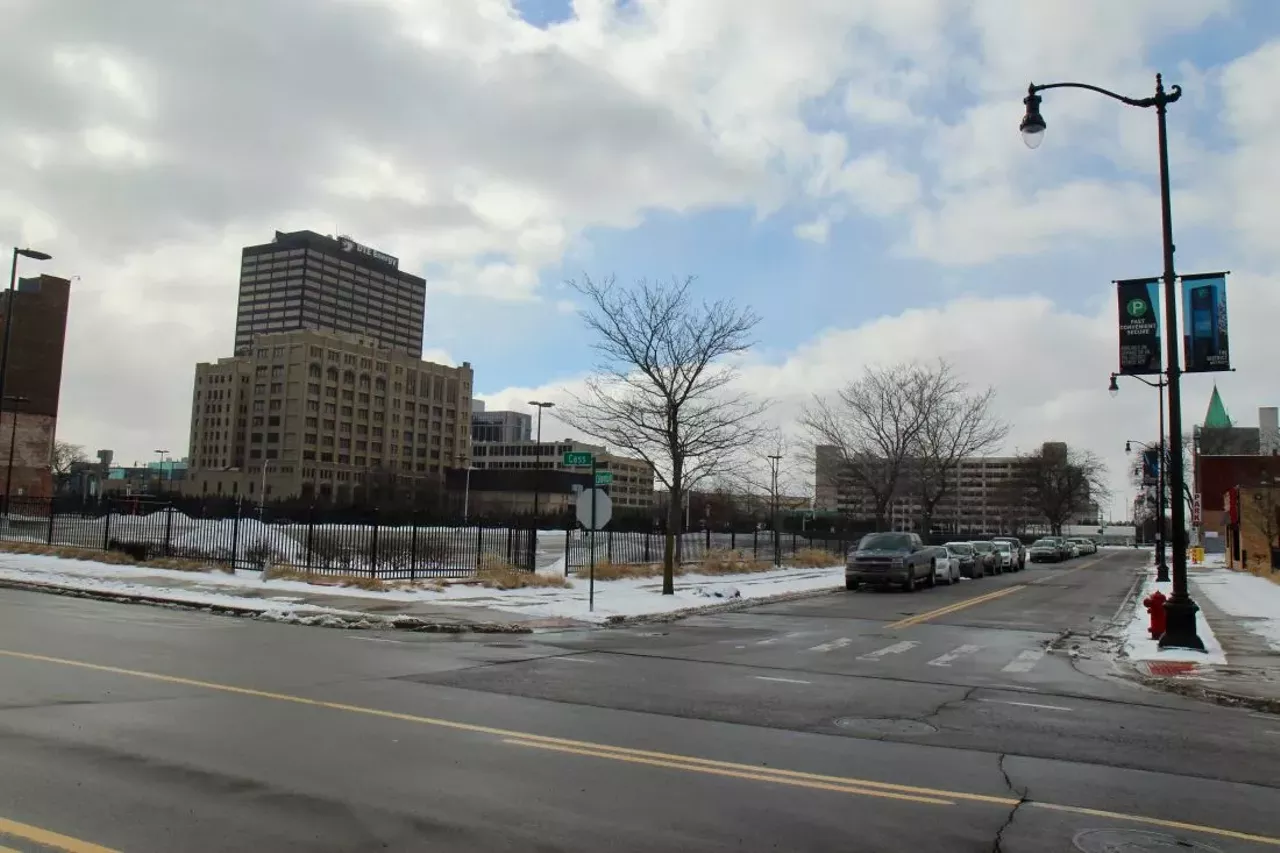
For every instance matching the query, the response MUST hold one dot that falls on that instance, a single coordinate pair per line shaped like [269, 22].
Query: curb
[321, 619]
[725, 607]
[1194, 690]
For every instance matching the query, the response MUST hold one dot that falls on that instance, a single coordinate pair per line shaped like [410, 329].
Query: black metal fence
[149, 530]
[694, 546]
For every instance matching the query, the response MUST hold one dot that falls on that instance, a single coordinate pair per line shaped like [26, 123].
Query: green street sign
[604, 478]
[577, 458]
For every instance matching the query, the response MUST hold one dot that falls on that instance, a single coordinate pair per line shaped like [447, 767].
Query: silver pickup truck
[881, 559]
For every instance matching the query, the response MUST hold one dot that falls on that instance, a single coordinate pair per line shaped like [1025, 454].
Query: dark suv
[882, 559]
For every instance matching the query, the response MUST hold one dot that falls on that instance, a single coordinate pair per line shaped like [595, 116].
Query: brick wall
[35, 347]
[33, 451]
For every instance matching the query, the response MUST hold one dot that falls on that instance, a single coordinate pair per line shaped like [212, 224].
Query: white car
[1005, 552]
[946, 568]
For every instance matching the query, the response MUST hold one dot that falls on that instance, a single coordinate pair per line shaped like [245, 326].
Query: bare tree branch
[1059, 482]
[661, 390]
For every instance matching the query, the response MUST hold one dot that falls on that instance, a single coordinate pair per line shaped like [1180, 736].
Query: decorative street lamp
[1162, 567]
[1180, 610]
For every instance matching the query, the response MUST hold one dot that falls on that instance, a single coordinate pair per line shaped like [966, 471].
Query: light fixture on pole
[1180, 609]
[537, 477]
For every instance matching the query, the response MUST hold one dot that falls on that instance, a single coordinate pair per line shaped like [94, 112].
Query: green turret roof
[1216, 417]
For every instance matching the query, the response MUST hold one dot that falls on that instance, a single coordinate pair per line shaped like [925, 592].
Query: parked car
[1004, 553]
[986, 553]
[1085, 545]
[1045, 551]
[965, 557]
[1019, 550]
[881, 559]
[946, 569]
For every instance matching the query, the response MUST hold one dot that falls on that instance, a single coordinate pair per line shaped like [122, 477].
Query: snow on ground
[1253, 600]
[630, 597]
[1139, 646]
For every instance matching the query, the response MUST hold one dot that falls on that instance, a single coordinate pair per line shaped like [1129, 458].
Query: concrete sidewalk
[325, 607]
[1245, 620]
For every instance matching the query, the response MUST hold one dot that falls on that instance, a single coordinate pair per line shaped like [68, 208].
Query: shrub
[813, 558]
[496, 573]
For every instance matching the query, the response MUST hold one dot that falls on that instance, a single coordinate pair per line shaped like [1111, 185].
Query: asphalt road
[979, 717]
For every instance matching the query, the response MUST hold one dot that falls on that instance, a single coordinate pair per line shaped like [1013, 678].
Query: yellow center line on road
[839, 784]
[45, 838]
[983, 599]
[952, 608]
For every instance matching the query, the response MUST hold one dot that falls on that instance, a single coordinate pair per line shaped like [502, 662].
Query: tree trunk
[669, 547]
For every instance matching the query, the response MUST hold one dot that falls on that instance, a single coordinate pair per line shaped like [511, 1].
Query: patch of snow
[1139, 646]
[1254, 600]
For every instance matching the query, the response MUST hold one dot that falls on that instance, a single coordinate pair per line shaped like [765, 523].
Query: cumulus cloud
[144, 142]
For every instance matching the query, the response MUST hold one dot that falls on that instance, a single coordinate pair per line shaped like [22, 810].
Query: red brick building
[34, 373]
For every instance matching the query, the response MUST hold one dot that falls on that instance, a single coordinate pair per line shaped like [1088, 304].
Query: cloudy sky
[850, 168]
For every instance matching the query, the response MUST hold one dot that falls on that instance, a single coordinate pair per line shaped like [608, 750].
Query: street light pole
[1180, 609]
[1162, 493]
[13, 442]
[466, 494]
[537, 477]
[774, 461]
[161, 454]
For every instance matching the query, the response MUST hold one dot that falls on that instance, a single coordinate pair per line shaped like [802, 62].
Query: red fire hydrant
[1155, 607]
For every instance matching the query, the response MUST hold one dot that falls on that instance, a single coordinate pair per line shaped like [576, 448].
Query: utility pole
[537, 477]
[774, 461]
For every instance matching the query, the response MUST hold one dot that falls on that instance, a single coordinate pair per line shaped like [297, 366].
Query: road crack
[968, 694]
[997, 843]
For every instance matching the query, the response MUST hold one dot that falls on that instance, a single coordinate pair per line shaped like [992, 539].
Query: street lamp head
[34, 254]
[1128, 446]
[1113, 388]
[1032, 125]
[540, 404]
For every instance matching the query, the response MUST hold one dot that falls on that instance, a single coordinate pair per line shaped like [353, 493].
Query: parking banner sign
[1139, 305]
[1204, 323]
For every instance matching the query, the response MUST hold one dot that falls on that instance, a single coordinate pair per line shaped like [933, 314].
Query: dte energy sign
[349, 245]
[1204, 322]
[1139, 325]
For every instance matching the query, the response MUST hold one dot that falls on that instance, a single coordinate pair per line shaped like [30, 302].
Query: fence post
[52, 513]
[706, 545]
[373, 545]
[733, 540]
[413, 546]
[311, 527]
[794, 542]
[608, 546]
[511, 557]
[568, 541]
[755, 543]
[106, 530]
[168, 528]
[235, 538]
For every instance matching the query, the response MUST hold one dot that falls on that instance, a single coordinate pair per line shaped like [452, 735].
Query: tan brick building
[34, 376]
[325, 415]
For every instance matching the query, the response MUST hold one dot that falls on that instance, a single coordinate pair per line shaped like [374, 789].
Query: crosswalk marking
[1025, 661]
[895, 649]
[957, 652]
[832, 646]
[788, 636]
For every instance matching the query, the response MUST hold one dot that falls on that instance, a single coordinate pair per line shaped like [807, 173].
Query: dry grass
[114, 558]
[812, 558]
[607, 571]
[289, 573]
[496, 573]
[731, 562]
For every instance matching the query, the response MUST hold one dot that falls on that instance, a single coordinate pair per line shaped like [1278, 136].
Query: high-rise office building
[304, 280]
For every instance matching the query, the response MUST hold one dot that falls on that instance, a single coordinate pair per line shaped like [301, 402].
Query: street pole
[537, 477]
[774, 461]
[262, 494]
[1162, 567]
[591, 571]
[13, 442]
[466, 494]
[161, 477]
[1180, 609]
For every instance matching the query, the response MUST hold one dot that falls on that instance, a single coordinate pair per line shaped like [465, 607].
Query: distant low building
[631, 487]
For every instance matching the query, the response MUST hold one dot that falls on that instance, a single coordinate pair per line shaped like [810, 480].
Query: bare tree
[873, 427]
[956, 423]
[1059, 481]
[1260, 511]
[66, 455]
[662, 391]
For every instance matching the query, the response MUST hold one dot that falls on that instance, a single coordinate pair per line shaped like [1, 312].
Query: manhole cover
[885, 726]
[505, 645]
[1127, 840]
